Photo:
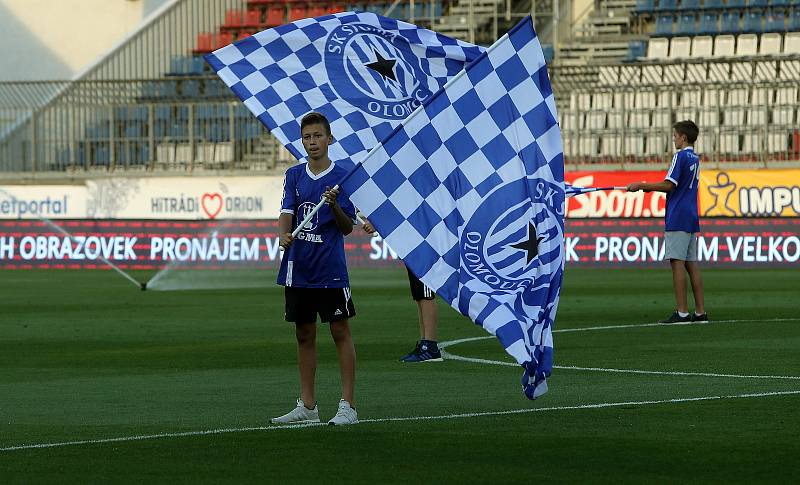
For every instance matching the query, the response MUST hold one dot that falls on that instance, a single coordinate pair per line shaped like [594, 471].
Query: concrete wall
[57, 39]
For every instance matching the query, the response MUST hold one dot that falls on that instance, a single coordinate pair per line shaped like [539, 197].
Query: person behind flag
[427, 348]
[314, 270]
[682, 222]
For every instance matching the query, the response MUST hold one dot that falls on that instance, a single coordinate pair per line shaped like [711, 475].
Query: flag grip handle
[310, 215]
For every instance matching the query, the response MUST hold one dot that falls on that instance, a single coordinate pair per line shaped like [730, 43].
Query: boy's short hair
[314, 118]
[687, 128]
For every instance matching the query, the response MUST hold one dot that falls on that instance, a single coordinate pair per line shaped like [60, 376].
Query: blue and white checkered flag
[366, 73]
[469, 191]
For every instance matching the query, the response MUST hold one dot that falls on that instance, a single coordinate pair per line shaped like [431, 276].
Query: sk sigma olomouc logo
[374, 70]
[507, 247]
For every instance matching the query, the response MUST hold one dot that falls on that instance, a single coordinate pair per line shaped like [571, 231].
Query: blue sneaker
[426, 351]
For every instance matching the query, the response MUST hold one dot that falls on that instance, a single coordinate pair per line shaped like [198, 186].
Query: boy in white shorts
[682, 222]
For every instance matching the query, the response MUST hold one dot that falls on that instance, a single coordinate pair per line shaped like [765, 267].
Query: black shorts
[331, 304]
[418, 289]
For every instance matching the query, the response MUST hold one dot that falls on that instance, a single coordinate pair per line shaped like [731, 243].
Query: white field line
[443, 345]
[449, 356]
[400, 419]
[475, 360]
[449, 343]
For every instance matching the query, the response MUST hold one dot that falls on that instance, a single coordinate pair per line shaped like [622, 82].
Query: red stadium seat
[335, 8]
[252, 18]
[297, 11]
[317, 10]
[233, 18]
[223, 39]
[275, 16]
[205, 42]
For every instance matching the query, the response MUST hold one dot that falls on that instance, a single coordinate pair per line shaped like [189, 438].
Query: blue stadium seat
[214, 88]
[687, 25]
[132, 153]
[548, 51]
[167, 89]
[239, 111]
[752, 23]
[708, 24]
[138, 113]
[690, 4]
[729, 23]
[712, 4]
[190, 88]
[794, 20]
[97, 131]
[664, 5]
[776, 21]
[130, 113]
[205, 111]
[735, 3]
[150, 90]
[437, 8]
[664, 26]
[644, 6]
[781, 3]
[80, 154]
[196, 66]
[163, 112]
[177, 130]
[636, 49]
[177, 66]
[63, 156]
[758, 3]
[134, 130]
[101, 156]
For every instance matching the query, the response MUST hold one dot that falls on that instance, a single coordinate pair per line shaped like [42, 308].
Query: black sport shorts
[418, 289]
[331, 304]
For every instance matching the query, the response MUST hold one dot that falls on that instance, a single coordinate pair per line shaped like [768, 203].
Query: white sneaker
[345, 415]
[298, 415]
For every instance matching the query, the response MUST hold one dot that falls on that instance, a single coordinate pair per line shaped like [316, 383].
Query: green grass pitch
[86, 358]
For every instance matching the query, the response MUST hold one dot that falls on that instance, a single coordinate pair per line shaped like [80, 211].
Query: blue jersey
[315, 259]
[682, 214]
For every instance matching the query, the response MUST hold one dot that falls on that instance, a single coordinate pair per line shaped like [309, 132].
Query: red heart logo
[211, 207]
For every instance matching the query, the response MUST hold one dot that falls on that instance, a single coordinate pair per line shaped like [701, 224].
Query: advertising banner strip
[248, 244]
[750, 193]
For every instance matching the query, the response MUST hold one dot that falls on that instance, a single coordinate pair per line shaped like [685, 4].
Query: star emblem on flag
[384, 67]
[531, 245]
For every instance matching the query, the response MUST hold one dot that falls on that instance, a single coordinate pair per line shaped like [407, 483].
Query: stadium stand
[628, 70]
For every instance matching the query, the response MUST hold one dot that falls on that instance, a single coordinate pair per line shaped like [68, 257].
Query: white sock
[683, 314]
[698, 314]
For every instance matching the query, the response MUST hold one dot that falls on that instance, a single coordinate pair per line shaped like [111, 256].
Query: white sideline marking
[449, 356]
[442, 346]
[397, 419]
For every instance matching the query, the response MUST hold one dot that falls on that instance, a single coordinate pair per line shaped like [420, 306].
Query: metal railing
[177, 123]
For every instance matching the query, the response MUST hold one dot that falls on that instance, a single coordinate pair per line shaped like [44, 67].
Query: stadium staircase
[601, 37]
